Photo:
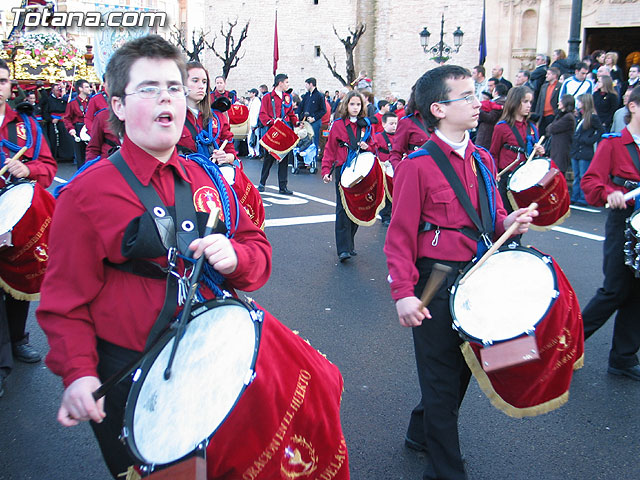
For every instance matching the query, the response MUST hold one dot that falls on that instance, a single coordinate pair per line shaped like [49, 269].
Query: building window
[317, 49]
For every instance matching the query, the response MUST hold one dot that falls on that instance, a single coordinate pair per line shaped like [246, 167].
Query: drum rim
[16, 184]
[630, 218]
[470, 338]
[523, 164]
[352, 166]
[128, 435]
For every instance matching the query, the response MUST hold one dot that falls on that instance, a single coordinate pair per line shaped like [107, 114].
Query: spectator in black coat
[605, 100]
[586, 136]
[312, 108]
[559, 60]
[490, 113]
[538, 75]
[561, 132]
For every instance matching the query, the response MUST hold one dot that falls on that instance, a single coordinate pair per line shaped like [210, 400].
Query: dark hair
[343, 108]
[596, 54]
[281, 77]
[119, 66]
[387, 116]
[526, 73]
[588, 109]
[494, 80]
[264, 86]
[402, 101]
[204, 105]
[432, 87]
[78, 84]
[368, 95]
[382, 103]
[560, 53]
[635, 98]
[501, 89]
[556, 71]
[312, 81]
[480, 69]
[220, 76]
[580, 66]
[568, 102]
[4, 66]
[512, 104]
[636, 66]
[410, 106]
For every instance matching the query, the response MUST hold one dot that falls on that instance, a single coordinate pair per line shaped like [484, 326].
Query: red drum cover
[540, 386]
[249, 197]
[549, 191]
[365, 199]
[279, 139]
[287, 423]
[22, 266]
[239, 120]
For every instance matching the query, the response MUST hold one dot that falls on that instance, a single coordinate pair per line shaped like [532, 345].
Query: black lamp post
[441, 51]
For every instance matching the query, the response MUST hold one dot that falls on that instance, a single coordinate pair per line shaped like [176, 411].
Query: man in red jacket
[74, 119]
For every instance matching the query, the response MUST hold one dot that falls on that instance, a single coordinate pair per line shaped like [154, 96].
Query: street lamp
[441, 51]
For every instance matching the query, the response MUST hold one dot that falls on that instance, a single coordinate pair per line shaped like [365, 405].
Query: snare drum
[242, 384]
[516, 292]
[540, 181]
[632, 243]
[239, 121]
[84, 134]
[388, 179]
[25, 216]
[362, 188]
[279, 140]
[228, 172]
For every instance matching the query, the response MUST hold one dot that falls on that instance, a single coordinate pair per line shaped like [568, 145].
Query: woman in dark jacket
[605, 99]
[561, 131]
[585, 137]
[490, 113]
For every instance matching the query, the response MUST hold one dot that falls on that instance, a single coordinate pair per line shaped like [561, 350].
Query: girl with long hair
[587, 134]
[349, 134]
[605, 99]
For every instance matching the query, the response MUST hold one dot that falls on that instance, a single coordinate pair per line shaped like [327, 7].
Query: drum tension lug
[257, 316]
[124, 434]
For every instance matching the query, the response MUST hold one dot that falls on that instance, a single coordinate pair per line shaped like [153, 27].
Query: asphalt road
[346, 312]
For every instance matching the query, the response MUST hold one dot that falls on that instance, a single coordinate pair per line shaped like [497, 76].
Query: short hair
[220, 76]
[613, 55]
[79, 83]
[264, 86]
[580, 66]
[4, 66]
[312, 81]
[432, 87]
[494, 80]
[636, 66]
[343, 108]
[556, 71]
[119, 66]
[281, 77]
[526, 73]
[387, 116]
[402, 101]
[382, 103]
[480, 69]
[635, 98]
[501, 89]
[569, 102]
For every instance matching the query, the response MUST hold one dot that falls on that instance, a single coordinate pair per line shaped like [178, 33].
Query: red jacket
[75, 113]
[383, 149]
[187, 140]
[82, 298]
[377, 127]
[41, 169]
[611, 159]
[502, 134]
[96, 103]
[335, 152]
[409, 137]
[286, 112]
[421, 193]
[102, 138]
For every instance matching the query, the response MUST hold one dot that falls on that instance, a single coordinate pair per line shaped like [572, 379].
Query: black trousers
[13, 321]
[345, 228]
[620, 292]
[385, 213]
[116, 455]
[283, 167]
[6, 357]
[444, 376]
[79, 153]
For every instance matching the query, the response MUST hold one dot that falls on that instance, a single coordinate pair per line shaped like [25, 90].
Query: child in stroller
[305, 153]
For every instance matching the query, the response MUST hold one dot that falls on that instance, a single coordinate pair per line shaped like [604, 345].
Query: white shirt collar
[458, 147]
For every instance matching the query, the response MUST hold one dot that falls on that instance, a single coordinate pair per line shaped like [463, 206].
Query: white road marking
[309, 197]
[577, 233]
[286, 222]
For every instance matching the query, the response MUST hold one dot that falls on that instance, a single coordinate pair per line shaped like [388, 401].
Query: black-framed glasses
[152, 91]
[468, 99]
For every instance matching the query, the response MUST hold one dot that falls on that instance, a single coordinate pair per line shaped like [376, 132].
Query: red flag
[276, 53]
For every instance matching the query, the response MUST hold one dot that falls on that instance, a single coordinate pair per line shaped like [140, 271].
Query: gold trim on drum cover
[17, 294]
[357, 220]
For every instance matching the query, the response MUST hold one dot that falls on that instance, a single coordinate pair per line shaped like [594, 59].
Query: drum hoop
[16, 184]
[463, 333]
[636, 232]
[354, 163]
[141, 373]
[522, 165]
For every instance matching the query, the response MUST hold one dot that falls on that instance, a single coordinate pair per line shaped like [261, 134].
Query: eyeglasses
[468, 99]
[151, 91]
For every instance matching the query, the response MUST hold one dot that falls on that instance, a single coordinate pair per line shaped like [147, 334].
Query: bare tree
[350, 43]
[198, 43]
[230, 57]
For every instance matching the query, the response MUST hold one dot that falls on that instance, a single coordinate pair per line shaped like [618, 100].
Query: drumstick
[438, 274]
[503, 238]
[212, 222]
[533, 152]
[627, 196]
[15, 157]
[517, 160]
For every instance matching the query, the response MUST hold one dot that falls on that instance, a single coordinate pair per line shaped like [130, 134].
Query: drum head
[529, 174]
[15, 200]
[228, 172]
[360, 167]
[506, 297]
[166, 420]
[634, 220]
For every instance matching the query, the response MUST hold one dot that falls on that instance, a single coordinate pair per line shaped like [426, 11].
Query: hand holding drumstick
[537, 149]
[15, 167]
[220, 157]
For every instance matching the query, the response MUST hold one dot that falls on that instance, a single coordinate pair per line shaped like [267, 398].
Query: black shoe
[353, 253]
[286, 191]
[344, 256]
[631, 372]
[413, 445]
[26, 353]
[261, 188]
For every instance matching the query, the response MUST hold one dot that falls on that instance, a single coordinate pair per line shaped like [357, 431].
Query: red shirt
[502, 134]
[409, 137]
[399, 112]
[335, 152]
[383, 151]
[76, 109]
[611, 159]
[82, 298]
[96, 103]
[377, 127]
[101, 135]
[421, 193]
[188, 141]
[267, 115]
[41, 169]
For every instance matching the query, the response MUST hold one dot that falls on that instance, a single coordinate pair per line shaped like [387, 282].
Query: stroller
[305, 153]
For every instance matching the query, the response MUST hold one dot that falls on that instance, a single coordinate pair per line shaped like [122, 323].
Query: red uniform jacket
[102, 138]
[75, 113]
[336, 151]
[227, 94]
[409, 137]
[96, 103]
[377, 127]
[611, 159]
[187, 140]
[41, 169]
[286, 112]
[502, 134]
[82, 298]
[383, 148]
[421, 193]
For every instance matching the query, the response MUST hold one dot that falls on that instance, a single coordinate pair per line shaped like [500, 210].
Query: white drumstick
[628, 196]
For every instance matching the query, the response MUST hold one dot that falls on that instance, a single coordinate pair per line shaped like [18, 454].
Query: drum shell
[363, 200]
[553, 198]
[632, 243]
[388, 181]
